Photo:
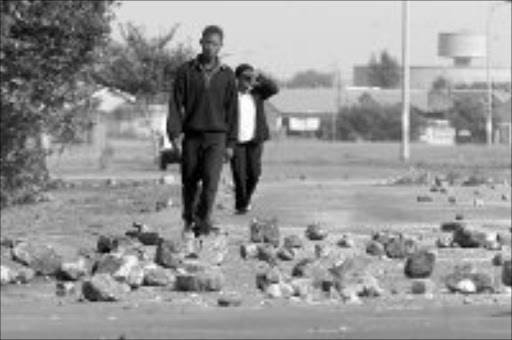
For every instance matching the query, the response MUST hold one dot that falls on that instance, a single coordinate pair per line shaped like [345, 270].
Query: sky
[283, 37]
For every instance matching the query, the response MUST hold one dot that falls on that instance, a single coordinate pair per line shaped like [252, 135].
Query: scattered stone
[168, 179]
[478, 202]
[108, 264]
[6, 275]
[498, 260]
[158, 276]
[424, 198]
[293, 242]
[73, 271]
[471, 237]
[103, 287]
[423, 287]
[375, 248]
[352, 276]
[249, 251]
[504, 238]
[285, 254]
[41, 258]
[506, 273]
[420, 265]
[169, 254]
[265, 231]
[466, 286]
[315, 232]
[481, 282]
[459, 217]
[149, 238]
[24, 275]
[400, 248]
[287, 291]
[445, 241]
[346, 242]
[273, 291]
[302, 287]
[230, 300]
[266, 277]
[267, 253]
[67, 289]
[450, 227]
[505, 197]
[386, 236]
[322, 250]
[210, 280]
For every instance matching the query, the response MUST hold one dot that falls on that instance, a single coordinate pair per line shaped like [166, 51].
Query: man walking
[203, 109]
[253, 90]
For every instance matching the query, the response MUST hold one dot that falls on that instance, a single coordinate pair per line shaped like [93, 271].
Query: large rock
[6, 275]
[473, 237]
[159, 276]
[119, 244]
[293, 242]
[150, 238]
[420, 265]
[352, 276]
[265, 231]
[108, 264]
[130, 272]
[315, 232]
[169, 254]
[506, 273]
[230, 300]
[302, 287]
[249, 251]
[267, 253]
[462, 282]
[41, 258]
[385, 236]
[423, 287]
[267, 276]
[375, 248]
[103, 287]
[210, 280]
[73, 271]
[400, 248]
[346, 241]
[285, 254]
[452, 226]
[316, 270]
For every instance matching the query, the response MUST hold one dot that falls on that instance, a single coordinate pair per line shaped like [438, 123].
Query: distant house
[503, 132]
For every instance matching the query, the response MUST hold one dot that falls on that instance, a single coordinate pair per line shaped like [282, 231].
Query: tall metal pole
[405, 153]
[488, 121]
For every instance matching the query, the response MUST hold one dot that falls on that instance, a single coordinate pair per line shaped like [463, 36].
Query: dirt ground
[345, 197]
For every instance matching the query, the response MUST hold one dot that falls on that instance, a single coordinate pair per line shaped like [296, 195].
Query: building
[463, 48]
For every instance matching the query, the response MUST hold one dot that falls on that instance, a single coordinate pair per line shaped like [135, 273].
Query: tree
[385, 72]
[310, 78]
[47, 49]
[143, 67]
[440, 84]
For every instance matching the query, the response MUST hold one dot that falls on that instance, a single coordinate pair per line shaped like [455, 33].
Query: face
[211, 45]
[246, 80]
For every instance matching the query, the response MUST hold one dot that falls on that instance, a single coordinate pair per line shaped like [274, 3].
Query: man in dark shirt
[203, 107]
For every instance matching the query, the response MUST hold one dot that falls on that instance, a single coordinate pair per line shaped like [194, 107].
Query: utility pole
[405, 153]
[337, 109]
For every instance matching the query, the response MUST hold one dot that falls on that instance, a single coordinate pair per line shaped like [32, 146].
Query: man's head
[245, 76]
[211, 41]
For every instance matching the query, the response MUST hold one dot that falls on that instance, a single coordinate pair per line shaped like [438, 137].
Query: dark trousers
[201, 163]
[246, 169]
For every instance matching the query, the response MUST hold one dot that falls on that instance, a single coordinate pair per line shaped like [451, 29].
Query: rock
[210, 280]
[459, 217]
[346, 242]
[108, 264]
[445, 241]
[478, 202]
[169, 254]
[285, 254]
[159, 276]
[168, 180]
[265, 231]
[300, 269]
[302, 287]
[287, 291]
[386, 236]
[273, 291]
[315, 232]
[452, 199]
[230, 300]
[293, 242]
[423, 287]
[266, 277]
[352, 274]
[420, 265]
[67, 289]
[24, 275]
[505, 197]
[149, 238]
[322, 250]
[5, 253]
[73, 271]
[450, 227]
[506, 273]
[498, 260]
[130, 271]
[400, 248]
[482, 282]
[375, 248]
[267, 253]
[424, 198]
[249, 251]
[350, 296]
[6, 275]
[103, 287]
[504, 238]
[41, 258]
[471, 237]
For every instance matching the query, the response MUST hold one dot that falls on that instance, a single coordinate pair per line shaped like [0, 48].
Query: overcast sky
[287, 36]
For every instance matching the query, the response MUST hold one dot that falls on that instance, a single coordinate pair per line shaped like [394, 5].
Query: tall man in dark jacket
[253, 131]
[203, 108]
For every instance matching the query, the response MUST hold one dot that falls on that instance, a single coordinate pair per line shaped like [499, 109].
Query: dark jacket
[203, 102]
[265, 89]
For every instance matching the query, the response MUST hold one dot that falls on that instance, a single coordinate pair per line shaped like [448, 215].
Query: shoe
[206, 229]
[244, 210]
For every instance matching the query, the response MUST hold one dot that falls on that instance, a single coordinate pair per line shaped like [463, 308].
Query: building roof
[324, 100]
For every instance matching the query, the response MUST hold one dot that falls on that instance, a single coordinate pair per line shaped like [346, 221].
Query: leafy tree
[143, 67]
[384, 72]
[310, 78]
[47, 49]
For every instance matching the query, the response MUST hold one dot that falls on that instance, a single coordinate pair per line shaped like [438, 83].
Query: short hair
[242, 68]
[212, 29]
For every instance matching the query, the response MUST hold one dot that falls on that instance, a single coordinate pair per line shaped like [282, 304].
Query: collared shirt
[246, 117]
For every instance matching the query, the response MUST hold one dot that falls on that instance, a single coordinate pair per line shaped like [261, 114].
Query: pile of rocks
[464, 235]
